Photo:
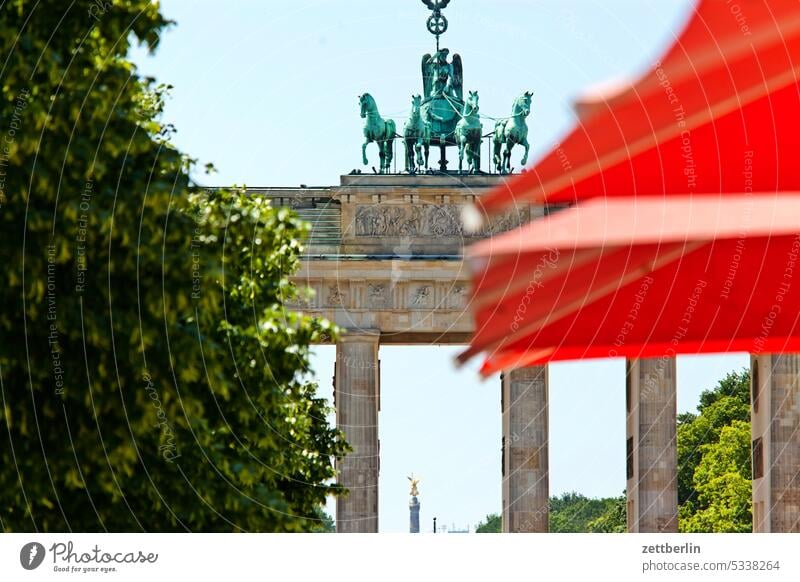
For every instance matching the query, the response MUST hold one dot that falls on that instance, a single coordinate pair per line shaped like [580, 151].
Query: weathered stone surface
[525, 450]
[651, 402]
[357, 400]
[409, 301]
[396, 214]
[425, 220]
[775, 414]
[398, 266]
[461, 181]
[393, 273]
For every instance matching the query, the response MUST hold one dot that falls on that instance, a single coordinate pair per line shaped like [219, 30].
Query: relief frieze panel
[425, 220]
[382, 295]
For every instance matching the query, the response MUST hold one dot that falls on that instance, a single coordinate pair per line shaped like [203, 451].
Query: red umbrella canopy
[718, 113]
[692, 244]
[643, 277]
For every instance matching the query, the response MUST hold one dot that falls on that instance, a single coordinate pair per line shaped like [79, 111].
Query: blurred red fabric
[684, 238]
[725, 92]
[643, 277]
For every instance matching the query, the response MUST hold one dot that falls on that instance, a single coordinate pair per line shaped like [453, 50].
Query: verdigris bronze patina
[441, 78]
[441, 117]
[512, 131]
[377, 129]
[437, 23]
[443, 88]
[416, 138]
[469, 132]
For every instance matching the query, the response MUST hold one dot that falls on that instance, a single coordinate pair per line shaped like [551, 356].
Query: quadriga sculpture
[468, 135]
[381, 131]
[512, 131]
[416, 138]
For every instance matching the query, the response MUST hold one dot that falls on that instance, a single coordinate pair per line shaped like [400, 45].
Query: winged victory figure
[414, 485]
[442, 78]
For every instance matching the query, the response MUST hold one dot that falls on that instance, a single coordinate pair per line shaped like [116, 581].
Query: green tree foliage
[719, 407]
[150, 378]
[613, 519]
[492, 524]
[325, 523]
[714, 488]
[722, 482]
[571, 513]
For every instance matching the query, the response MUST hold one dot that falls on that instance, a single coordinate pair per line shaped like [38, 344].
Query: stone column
[526, 485]
[357, 400]
[413, 511]
[775, 427]
[652, 468]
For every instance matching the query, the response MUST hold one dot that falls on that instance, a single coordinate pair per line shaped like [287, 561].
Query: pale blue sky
[267, 91]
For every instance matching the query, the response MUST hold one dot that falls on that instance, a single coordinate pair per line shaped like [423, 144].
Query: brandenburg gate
[384, 261]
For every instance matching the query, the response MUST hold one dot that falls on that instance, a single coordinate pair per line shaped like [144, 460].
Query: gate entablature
[385, 252]
[414, 215]
[393, 215]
